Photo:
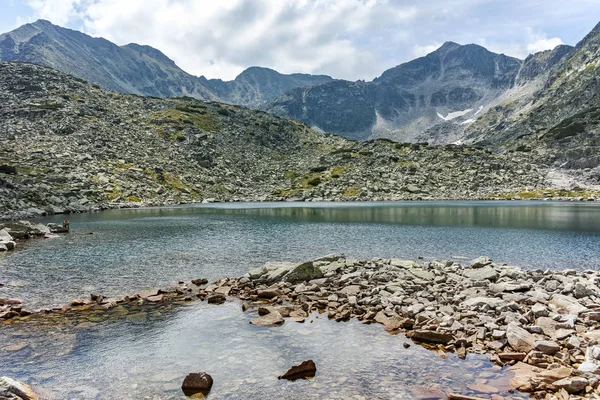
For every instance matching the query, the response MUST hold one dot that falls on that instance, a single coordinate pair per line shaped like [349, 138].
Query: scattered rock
[307, 369]
[197, 382]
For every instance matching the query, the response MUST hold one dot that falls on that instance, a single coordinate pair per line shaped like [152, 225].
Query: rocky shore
[544, 325]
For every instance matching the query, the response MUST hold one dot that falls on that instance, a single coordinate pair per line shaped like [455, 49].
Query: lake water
[137, 352]
[131, 250]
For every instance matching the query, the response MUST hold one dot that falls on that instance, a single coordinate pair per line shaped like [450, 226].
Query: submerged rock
[271, 319]
[307, 369]
[197, 382]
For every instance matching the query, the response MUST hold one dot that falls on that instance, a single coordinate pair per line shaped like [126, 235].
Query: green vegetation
[350, 191]
[195, 116]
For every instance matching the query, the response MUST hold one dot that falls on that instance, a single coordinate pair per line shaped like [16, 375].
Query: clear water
[131, 250]
[145, 354]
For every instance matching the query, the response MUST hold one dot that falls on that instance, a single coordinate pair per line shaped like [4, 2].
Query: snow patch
[478, 111]
[455, 114]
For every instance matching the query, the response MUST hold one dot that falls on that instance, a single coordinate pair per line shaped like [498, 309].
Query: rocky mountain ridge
[138, 69]
[69, 146]
[433, 98]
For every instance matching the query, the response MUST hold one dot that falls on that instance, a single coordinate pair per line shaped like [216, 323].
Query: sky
[347, 39]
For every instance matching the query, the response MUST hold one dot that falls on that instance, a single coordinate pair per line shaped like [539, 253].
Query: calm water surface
[132, 250]
[145, 353]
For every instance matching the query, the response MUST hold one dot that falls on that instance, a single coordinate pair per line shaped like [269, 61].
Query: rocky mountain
[138, 69]
[561, 117]
[67, 145]
[448, 87]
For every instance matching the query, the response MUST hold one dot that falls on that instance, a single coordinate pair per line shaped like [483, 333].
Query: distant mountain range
[139, 69]
[456, 94]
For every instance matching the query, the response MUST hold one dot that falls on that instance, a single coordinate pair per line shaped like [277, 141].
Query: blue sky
[350, 39]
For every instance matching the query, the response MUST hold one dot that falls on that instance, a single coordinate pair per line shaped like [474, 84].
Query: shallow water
[132, 250]
[147, 353]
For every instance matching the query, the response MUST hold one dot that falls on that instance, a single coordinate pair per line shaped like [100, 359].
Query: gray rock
[519, 339]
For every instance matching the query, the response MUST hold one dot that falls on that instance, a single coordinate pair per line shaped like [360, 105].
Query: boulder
[547, 347]
[197, 382]
[269, 293]
[570, 304]
[428, 336]
[307, 369]
[303, 272]
[216, 298]
[13, 390]
[481, 262]
[481, 273]
[519, 339]
[573, 384]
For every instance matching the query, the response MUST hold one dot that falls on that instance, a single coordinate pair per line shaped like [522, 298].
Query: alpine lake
[145, 351]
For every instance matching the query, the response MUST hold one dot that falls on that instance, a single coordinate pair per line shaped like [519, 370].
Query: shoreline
[25, 214]
[543, 325]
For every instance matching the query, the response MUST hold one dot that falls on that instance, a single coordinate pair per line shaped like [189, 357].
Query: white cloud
[420, 51]
[542, 44]
[349, 39]
[58, 11]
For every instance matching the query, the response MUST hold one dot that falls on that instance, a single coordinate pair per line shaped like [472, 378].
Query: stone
[273, 318]
[481, 273]
[200, 281]
[269, 293]
[216, 298]
[428, 336]
[303, 272]
[481, 262]
[307, 369]
[570, 304]
[519, 339]
[477, 302]
[547, 347]
[572, 385]
[13, 390]
[197, 382]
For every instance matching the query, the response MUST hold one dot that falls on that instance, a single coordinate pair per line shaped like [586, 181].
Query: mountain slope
[67, 145]
[138, 69]
[452, 82]
[563, 116]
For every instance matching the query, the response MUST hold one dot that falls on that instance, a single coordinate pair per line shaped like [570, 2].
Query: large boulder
[303, 272]
[519, 339]
[13, 390]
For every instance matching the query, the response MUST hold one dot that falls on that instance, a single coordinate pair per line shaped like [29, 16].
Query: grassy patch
[198, 118]
[350, 191]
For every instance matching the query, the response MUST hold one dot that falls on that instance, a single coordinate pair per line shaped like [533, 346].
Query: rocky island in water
[89, 126]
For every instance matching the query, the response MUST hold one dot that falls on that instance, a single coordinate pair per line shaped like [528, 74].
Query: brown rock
[197, 382]
[271, 319]
[217, 298]
[199, 282]
[305, 370]
[269, 293]
[427, 336]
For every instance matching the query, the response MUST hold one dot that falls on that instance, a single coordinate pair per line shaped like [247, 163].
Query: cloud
[541, 44]
[420, 51]
[349, 39]
[58, 11]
